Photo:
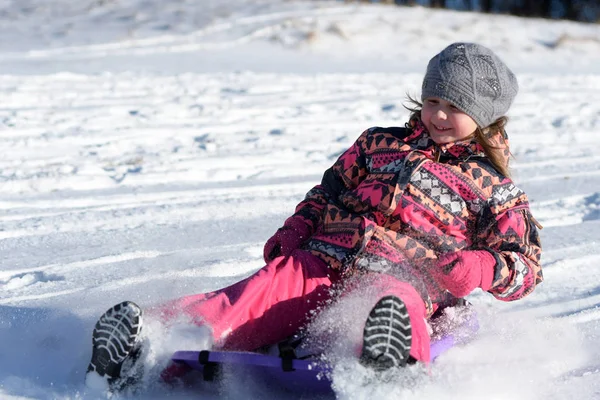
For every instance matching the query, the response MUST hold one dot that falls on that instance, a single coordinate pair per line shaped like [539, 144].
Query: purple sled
[301, 375]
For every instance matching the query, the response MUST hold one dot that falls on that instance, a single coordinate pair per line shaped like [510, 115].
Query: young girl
[422, 214]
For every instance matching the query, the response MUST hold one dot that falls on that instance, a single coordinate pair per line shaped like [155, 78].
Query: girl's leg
[383, 304]
[388, 289]
[116, 338]
[263, 309]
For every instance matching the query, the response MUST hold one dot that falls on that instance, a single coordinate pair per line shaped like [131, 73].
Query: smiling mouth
[441, 129]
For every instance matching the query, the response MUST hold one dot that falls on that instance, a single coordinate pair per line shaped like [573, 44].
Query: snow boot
[116, 348]
[387, 335]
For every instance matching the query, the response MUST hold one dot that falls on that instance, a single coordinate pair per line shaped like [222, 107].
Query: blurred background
[42, 36]
[576, 10]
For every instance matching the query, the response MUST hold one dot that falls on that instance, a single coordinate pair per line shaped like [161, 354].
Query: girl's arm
[509, 233]
[345, 174]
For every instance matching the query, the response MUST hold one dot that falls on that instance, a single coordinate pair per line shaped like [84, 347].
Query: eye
[454, 108]
[432, 101]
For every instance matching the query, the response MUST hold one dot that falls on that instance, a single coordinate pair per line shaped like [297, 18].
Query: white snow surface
[149, 148]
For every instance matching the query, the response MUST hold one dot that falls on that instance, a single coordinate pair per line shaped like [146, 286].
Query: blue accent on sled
[302, 375]
[297, 375]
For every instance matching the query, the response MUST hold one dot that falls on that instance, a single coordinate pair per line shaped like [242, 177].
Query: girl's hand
[463, 271]
[287, 239]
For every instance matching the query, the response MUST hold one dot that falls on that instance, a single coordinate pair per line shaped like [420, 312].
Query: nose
[440, 114]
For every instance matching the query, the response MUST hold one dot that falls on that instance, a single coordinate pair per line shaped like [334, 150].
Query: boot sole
[387, 335]
[115, 336]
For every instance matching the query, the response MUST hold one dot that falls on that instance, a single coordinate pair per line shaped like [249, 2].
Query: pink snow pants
[276, 302]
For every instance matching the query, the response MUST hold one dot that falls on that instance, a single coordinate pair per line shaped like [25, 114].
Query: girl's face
[445, 122]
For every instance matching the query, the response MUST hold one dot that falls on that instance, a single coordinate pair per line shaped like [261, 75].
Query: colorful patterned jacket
[388, 205]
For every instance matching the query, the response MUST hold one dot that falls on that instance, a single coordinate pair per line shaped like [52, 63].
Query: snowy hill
[149, 148]
[270, 35]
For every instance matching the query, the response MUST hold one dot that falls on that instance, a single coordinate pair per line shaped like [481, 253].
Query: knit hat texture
[474, 79]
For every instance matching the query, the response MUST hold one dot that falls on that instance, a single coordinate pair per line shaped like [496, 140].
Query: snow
[150, 148]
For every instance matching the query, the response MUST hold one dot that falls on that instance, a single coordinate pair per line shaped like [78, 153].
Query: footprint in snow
[592, 205]
[27, 279]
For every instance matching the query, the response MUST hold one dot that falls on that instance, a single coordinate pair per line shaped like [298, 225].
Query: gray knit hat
[474, 79]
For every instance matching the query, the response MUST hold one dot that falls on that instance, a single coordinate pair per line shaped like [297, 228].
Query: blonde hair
[494, 152]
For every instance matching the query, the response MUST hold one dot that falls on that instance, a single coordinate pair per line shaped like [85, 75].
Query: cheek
[466, 125]
[425, 115]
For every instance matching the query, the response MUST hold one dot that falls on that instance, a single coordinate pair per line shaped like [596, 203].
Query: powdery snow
[150, 148]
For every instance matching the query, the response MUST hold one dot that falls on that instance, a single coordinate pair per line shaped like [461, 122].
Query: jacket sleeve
[508, 231]
[345, 174]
